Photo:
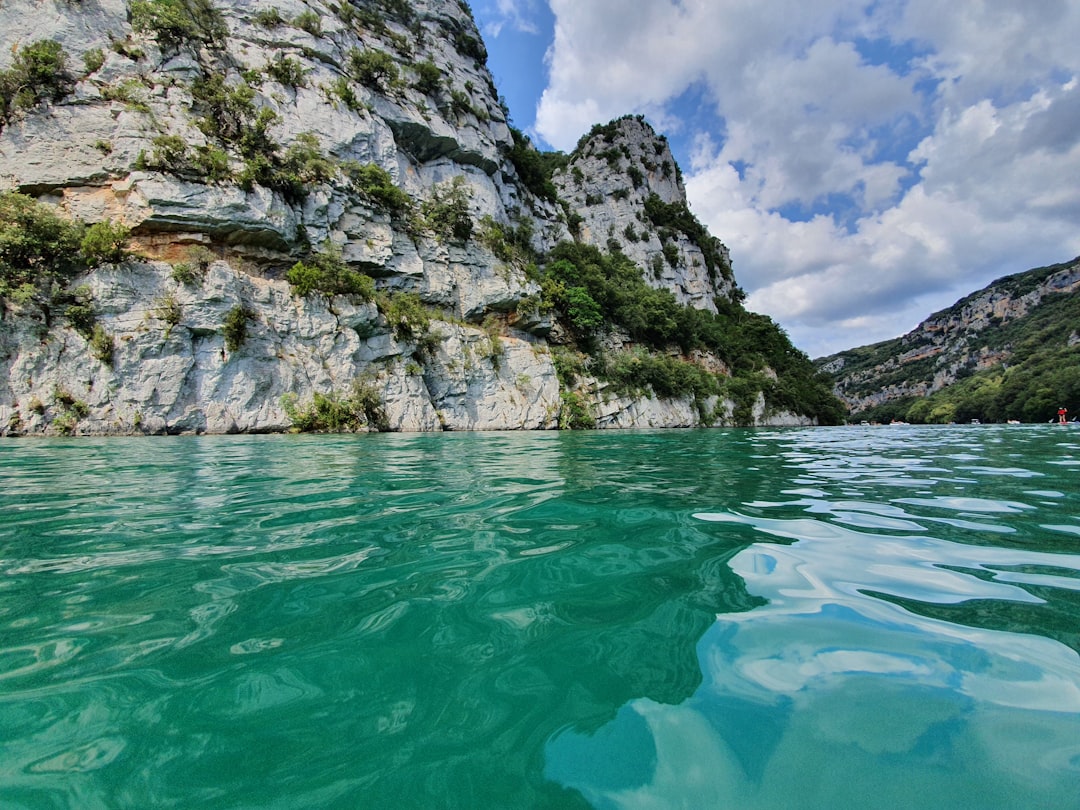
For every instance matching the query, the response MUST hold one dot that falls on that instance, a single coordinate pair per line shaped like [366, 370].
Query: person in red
[1061, 415]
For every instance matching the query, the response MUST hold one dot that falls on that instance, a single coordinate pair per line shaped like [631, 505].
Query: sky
[867, 162]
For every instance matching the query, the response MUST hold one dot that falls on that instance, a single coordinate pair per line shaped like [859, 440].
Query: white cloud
[517, 14]
[830, 98]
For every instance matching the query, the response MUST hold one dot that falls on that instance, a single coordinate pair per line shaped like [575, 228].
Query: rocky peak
[627, 189]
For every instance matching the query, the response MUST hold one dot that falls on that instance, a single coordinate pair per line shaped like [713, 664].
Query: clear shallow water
[806, 618]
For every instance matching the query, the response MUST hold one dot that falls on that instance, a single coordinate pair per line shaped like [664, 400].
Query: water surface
[806, 618]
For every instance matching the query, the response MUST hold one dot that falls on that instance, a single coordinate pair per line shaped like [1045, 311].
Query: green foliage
[105, 242]
[291, 174]
[326, 272]
[375, 69]
[428, 77]
[38, 249]
[377, 186]
[211, 164]
[170, 154]
[268, 18]
[235, 327]
[745, 341]
[666, 376]
[309, 21]
[177, 22]
[582, 311]
[37, 73]
[168, 309]
[93, 59]
[679, 217]
[569, 365]
[305, 160]
[636, 176]
[101, 344]
[1041, 375]
[194, 269]
[228, 109]
[406, 314]
[71, 410]
[447, 211]
[470, 46]
[342, 88]
[361, 409]
[512, 244]
[130, 92]
[671, 253]
[286, 70]
[534, 168]
[1039, 361]
[78, 305]
[574, 412]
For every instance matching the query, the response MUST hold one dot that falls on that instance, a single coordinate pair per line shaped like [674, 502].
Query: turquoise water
[834, 618]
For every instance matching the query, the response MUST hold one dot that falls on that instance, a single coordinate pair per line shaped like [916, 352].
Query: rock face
[948, 344]
[241, 141]
[628, 191]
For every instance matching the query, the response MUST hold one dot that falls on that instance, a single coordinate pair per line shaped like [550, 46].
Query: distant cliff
[316, 216]
[1008, 351]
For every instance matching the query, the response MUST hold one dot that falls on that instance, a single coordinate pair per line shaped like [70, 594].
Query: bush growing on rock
[287, 71]
[93, 59]
[361, 409]
[447, 212]
[176, 22]
[234, 329]
[38, 248]
[309, 21]
[374, 69]
[376, 185]
[405, 313]
[428, 77]
[326, 272]
[37, 73]
[105, 242]
[268, 18]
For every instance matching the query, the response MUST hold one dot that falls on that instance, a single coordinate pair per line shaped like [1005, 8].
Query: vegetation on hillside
[1039, 373]
[592, 291]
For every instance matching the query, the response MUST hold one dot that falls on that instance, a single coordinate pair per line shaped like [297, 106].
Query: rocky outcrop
[627, 189]
[241, 141]
[949, 344]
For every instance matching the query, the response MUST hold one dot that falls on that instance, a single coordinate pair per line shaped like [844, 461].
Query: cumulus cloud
[516, 14]
[871, 161]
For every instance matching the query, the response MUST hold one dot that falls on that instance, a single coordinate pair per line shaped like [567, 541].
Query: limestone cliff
[979, 332]
[324, 226]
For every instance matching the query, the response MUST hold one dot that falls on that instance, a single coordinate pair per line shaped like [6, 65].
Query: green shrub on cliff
[326, 272]
[39, 250]
[374, 69]
[360, 409]
[376, 185]
[105, 242]
[447, 211]
[37, 73]
[176, 22]
[234, 329]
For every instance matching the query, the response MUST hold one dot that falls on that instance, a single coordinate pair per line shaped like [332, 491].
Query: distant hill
[1009, 351]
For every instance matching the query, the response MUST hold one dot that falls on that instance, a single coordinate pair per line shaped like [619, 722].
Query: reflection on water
[890, 666]
[814, 618]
